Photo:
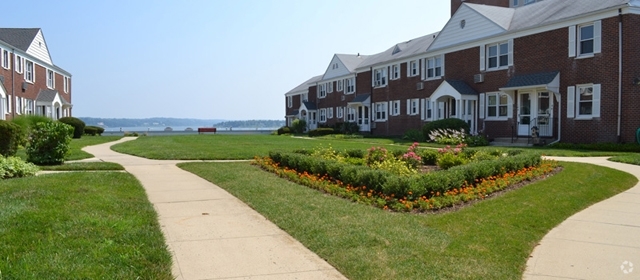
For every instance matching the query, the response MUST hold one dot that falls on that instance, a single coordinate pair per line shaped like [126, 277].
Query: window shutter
[9, 103]
[482, 50]
[481, 109]
[571, 97]
[408, 107]
[572, 42]
[422, 109]
[373, 78]
[423, 68]
[595, 111]
[510, 55]
[390, 111]
[373, 112]
[442, 71]
[408, 68]
[509, 107]
[597, 37]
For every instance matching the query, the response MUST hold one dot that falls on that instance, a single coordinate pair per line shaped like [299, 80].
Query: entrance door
[363, 118]
[524, 114]
[311, 123]
[545, 114]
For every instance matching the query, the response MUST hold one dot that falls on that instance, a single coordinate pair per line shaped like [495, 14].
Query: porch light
[636, 81]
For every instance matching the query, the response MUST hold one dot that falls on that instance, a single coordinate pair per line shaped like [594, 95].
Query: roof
[305, 85]
[352, 61]
[400, 50]
[499, 15]
[49, 95]
[310, 105]
[536, 79]
[361, 98]
[20, 38]
[462, 87]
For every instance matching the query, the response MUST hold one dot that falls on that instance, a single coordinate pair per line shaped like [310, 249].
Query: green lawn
[80, 225]
[75, 148]
[231, 146]
[83, 166]
[489, 240]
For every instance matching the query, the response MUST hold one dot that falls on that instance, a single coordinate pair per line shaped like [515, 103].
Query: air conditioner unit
[478, 78]
[373, 124]
[342, 98]
[420, 86]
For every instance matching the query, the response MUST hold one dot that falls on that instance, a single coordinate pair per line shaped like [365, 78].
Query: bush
[11, 136]
[348, 127]
[93, 130]
[451, 123]
[49, 143]
[414, 135]
[284, 130]
[476, 141]
[298, 126]
[321, 132]
[28, 122]
[429, 156]
[448, 136]
[77, 124]
[14, 167]
[354, 153]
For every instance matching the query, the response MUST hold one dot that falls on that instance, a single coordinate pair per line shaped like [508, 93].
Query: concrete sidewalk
[600, 242]
[210, 233]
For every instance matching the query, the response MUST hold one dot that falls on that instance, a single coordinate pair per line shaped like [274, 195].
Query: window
[413, 68]
[289, 101]
[585, 40]
[351, 114]
[66, 84]
[19, 63]
[323, 115]
[587, 101]
[29, 75]
[329, 87]
[527, 2]
[51, 82]
[434, 67]
[497, 55]
[381, 111]
[380, 77]
[427, 109]
[28, 106]
[515, 3]
[330, 113]
[497, 106]
[18, 105]
[395, 108]
[340, 84]
[412, 106]
[351, 85]
[322, 90]
[5, 59]
[339, 112]
[395, 72]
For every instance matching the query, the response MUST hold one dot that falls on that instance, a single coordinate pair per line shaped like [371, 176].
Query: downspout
[619, 73]
[13, 85]
[559, 119]
[370, 103]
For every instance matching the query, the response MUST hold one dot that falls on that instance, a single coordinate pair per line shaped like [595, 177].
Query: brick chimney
[455, 4]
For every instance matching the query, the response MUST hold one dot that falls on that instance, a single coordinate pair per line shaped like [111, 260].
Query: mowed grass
[488, 240]
[628, 158]
[230, 146]
[83, 166]
[80, 225]
[75, 148]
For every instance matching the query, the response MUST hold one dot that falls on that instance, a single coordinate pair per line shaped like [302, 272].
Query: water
[179, 128]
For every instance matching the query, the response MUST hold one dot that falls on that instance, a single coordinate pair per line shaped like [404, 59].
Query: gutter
[559, 120]
[13, 84]
[619, 74]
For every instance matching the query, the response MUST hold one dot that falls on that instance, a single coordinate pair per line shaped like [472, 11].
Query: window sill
[381, 86]
[583, 56]
[349, 93]
[500, 119]
[31, 82]
[380, 121]
[584, 118]
[497, 69]
[433, 78]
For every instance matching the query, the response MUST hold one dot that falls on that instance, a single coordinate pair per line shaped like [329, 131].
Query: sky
[210, 59]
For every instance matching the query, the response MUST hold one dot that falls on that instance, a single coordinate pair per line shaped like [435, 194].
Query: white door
[524, 114]
[545, 114]
[363, 118]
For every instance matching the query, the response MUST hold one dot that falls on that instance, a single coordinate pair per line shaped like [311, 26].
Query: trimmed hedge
[322, 132]
[418, 184]
[77, 124]
[284, 130]
[451, 123]
[11, 136]
[93, 130]
[49, 143]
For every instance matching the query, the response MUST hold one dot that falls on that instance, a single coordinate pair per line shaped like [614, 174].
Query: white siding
[39, 50]
[476, 27]
[337, 72]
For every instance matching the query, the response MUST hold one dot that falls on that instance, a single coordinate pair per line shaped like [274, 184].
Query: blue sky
[216, 59]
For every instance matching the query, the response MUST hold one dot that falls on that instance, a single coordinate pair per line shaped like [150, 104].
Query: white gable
[335, 69]
[476, 26]
[39, 50]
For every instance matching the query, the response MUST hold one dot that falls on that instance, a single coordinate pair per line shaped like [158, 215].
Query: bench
[206, 129]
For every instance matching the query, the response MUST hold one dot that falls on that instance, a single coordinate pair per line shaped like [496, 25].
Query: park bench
[206, 129]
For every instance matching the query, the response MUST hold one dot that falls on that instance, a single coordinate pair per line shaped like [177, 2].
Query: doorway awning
[360, 100]
[456, 89]
[549, 81]
[308, 106]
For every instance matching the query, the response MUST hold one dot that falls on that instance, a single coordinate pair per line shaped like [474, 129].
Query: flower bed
[422, 192]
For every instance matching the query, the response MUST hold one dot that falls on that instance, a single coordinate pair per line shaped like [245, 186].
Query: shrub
[451, 123]
[93, 130]
[476, 141]
[449, 157]
[284, 130]
[321, 132]
[447, 136]
[394, 166]
[11, 136]
[411, 158]
[77, 124]
[348, 127]
[49, 143]
[429, 156]
[298, 126]
[376, 154]
[414, 135]
[354, 153]
[14, 167]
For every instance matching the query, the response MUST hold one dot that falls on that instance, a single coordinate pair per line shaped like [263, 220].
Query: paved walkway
[600, 242]
[210, 233]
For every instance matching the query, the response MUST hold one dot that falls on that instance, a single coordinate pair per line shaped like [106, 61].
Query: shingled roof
[20, 38]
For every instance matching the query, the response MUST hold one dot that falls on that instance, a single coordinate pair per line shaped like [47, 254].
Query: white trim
[597, 36]
[481, 107]
[382, 108]
[410, 68]
[498, 96]
[350, 82]
[322, 115]
[289, 101]
[5, 60]
[383, 78]
[571, 97]
[32, 78]
[330, 113]
[395, 72]
[51, 81]
[482, 58]
[572, 41]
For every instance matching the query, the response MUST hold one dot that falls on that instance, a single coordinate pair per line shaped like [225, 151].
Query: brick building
[567, 69]
[30, 84]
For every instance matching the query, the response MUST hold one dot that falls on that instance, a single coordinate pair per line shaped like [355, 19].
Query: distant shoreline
[181, 128]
